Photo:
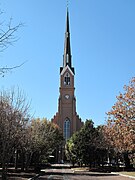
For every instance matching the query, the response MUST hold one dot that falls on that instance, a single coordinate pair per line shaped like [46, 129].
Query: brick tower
[66, 117]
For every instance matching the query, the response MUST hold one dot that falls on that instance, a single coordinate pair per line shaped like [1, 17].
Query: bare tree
[13, 116]
[7, 38]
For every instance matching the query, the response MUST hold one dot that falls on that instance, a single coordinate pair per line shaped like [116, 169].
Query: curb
[35, 177]
[124, 175]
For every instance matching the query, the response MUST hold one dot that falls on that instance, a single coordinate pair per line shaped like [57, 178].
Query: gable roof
[65, 69]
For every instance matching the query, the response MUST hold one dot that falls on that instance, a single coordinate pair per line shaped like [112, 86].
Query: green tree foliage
[84, 146]
[42, 139]
[72, 150]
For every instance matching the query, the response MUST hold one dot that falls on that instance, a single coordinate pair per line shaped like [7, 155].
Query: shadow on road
[78, 173]
[59, 172]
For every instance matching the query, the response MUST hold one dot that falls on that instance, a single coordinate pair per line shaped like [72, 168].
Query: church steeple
[67, 57]
[66, 117]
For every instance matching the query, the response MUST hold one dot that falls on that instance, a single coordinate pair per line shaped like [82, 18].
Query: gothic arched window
[67, 79]
[67, 129]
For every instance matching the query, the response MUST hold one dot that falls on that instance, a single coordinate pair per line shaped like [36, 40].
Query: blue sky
[103, 52]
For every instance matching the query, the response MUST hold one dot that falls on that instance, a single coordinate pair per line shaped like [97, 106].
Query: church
[66, 117]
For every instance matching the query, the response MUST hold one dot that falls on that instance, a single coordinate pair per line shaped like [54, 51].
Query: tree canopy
[85, 145]
[120, 128]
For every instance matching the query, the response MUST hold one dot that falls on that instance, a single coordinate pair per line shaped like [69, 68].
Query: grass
[128, 173]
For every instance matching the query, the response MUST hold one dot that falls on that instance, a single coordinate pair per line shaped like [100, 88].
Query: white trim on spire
[64, 70]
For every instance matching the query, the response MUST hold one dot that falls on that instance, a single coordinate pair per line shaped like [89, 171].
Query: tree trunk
[16, 159]
[37, 167]
[127, 160]
[28, 161]
[4, 171]
[22, 161]
[73, 163]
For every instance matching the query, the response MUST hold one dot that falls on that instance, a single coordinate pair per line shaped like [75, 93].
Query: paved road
[68, 174]
[83, 177]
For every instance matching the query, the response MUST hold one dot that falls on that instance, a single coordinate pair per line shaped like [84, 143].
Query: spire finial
[67, 57]
[67, 4]
[67, 50]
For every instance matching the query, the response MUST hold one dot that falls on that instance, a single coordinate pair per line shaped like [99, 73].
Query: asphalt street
[65, 173]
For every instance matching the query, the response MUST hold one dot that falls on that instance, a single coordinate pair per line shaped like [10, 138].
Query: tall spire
[67, 48]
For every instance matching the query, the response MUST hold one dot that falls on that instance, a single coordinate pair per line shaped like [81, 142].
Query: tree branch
[4, 70]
